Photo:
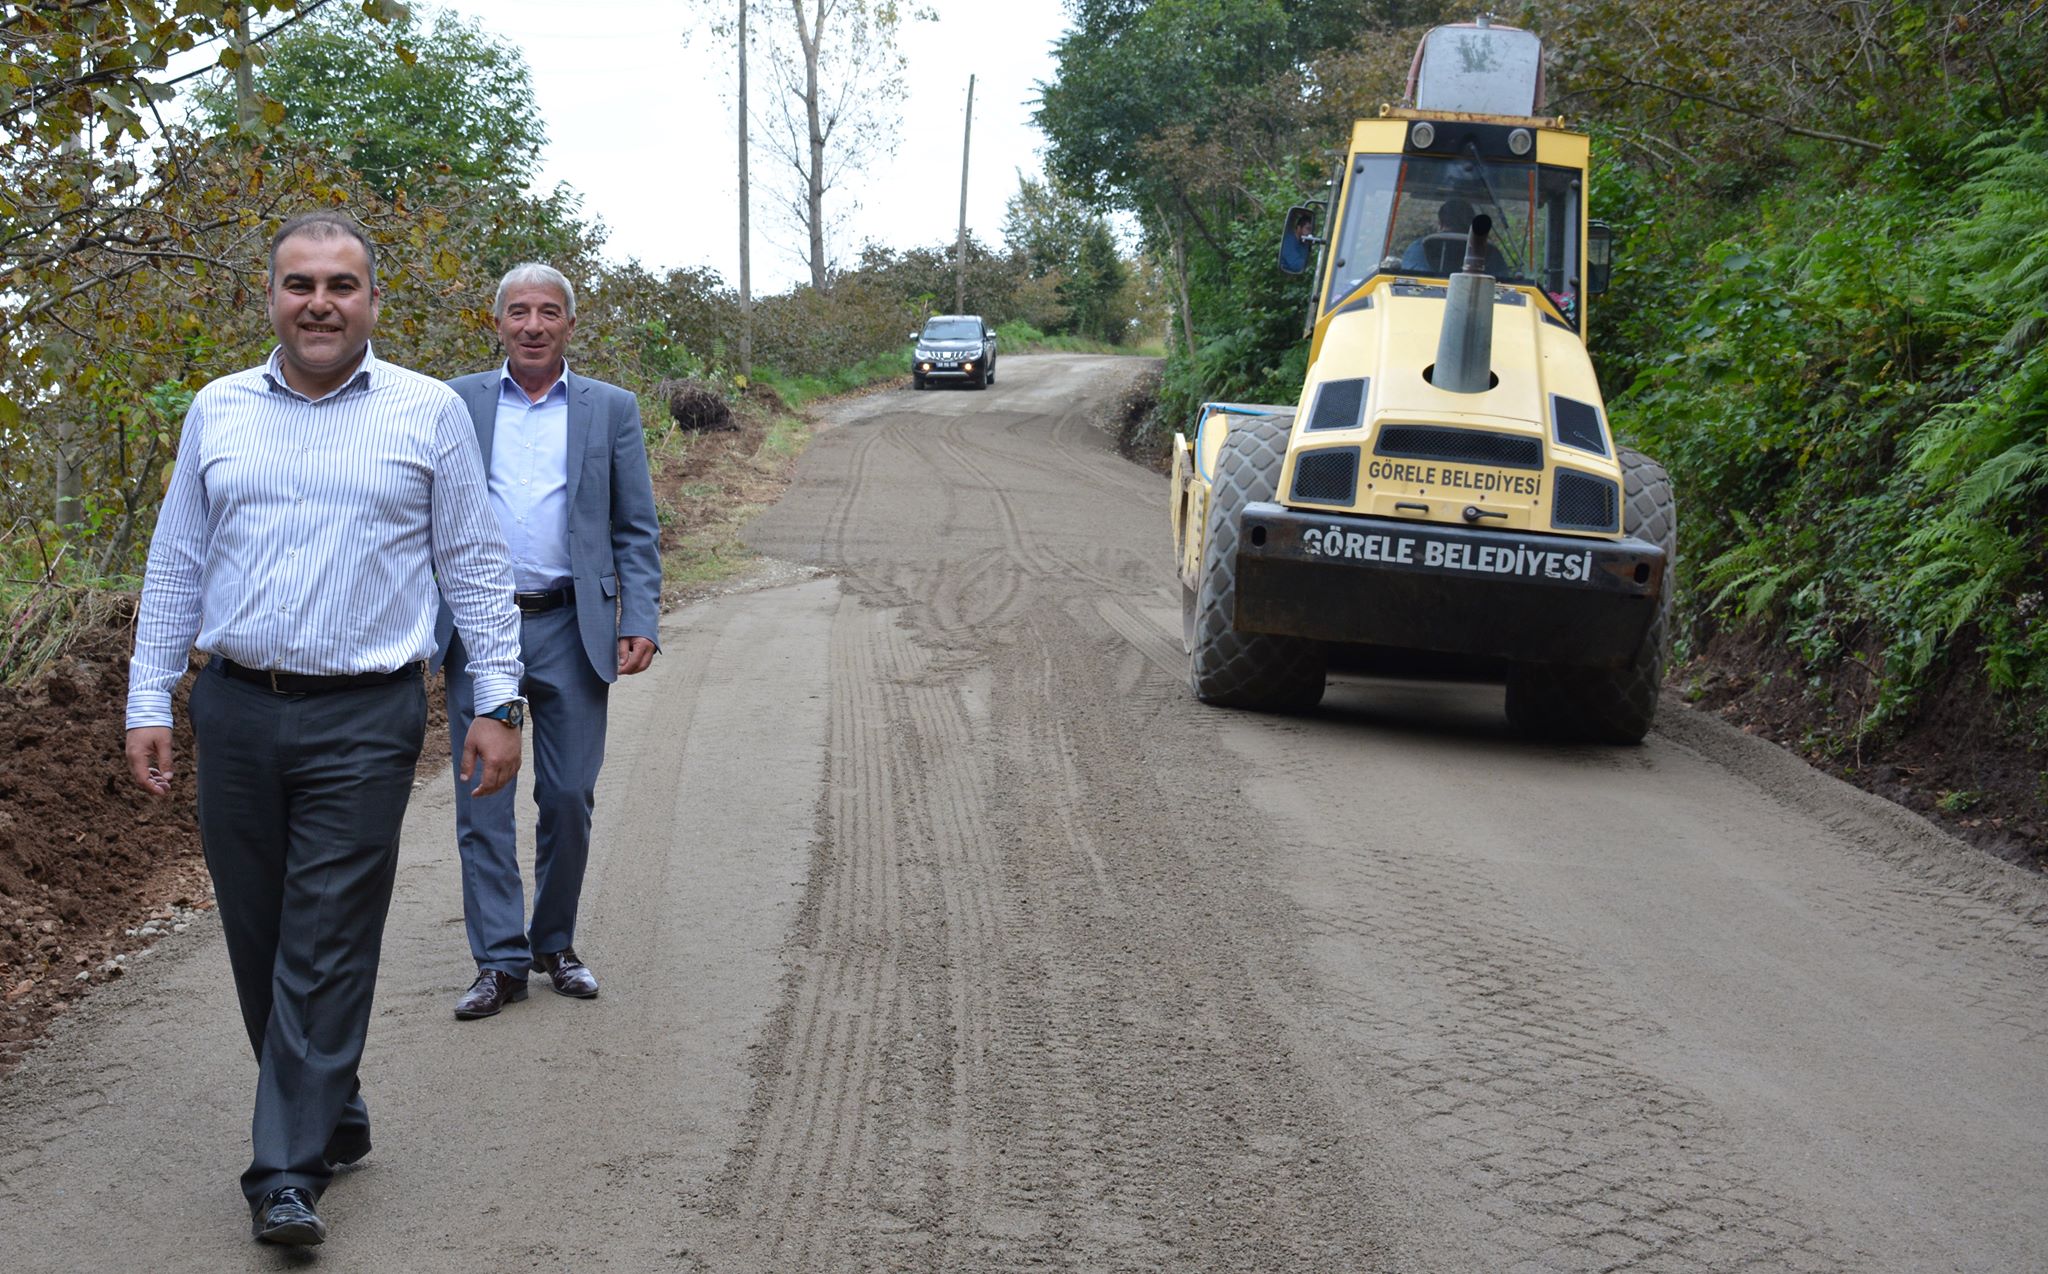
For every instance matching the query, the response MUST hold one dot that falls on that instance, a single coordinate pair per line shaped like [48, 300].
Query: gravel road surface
[939, 929]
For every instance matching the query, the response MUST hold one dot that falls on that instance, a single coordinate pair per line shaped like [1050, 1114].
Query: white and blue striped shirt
[304, 535]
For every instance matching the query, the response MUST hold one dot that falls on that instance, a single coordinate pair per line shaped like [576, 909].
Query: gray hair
[531, 272]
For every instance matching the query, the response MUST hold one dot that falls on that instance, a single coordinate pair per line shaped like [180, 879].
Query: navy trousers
[566, 705]
[300, 802]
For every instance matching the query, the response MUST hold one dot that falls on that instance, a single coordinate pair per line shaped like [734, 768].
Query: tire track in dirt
[1042, 557]
[1095, 978]
[1032, 1106]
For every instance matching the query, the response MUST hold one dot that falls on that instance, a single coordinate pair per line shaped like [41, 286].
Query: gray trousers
[567, 704]
[300, 802]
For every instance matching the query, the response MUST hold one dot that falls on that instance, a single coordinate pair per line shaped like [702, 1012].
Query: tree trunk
[1180, 278]
[68, 503]
[247, 117]
[70, 493]
[812, 37]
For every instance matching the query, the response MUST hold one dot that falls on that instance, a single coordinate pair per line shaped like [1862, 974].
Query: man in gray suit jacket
[570, 487]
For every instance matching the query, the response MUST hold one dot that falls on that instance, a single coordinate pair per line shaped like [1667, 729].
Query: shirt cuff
[491, 690]
[147, 709]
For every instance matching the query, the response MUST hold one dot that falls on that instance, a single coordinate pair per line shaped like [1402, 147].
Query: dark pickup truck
[955, 347]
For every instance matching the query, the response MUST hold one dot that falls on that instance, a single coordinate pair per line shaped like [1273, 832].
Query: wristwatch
[512, 712]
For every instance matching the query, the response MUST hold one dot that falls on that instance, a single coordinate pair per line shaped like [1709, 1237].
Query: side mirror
[1599, 256]
[1297, 239]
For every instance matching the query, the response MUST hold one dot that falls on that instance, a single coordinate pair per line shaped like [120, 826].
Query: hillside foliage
[137, 201]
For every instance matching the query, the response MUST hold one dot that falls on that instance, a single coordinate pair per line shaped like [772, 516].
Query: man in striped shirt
[314, 501]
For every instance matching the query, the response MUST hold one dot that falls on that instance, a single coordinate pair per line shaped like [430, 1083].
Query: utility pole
[960, 248]
[746, 284]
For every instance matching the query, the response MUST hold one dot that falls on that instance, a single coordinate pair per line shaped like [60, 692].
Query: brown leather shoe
[567, 974]
[491, 991]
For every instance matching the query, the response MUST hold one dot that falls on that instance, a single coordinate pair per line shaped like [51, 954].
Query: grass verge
[708, 486]
[797, 390]
[1021, 338]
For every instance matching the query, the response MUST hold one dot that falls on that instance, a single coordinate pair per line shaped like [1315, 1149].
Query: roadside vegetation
[136, 211]
[1829, 319]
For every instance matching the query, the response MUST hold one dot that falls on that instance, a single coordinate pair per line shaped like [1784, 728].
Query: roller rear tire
[1609, 705]
[1226, 667]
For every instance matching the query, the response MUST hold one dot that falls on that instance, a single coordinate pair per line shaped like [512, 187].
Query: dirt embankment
[86, 861]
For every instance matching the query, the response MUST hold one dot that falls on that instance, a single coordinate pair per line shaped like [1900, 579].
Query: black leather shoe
[491, 991]
[567, 974]
[285, 1216]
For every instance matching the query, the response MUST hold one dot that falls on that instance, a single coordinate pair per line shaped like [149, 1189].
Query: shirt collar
[273, 372]
[505, 379]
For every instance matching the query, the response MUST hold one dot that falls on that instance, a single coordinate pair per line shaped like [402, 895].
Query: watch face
[515, 714]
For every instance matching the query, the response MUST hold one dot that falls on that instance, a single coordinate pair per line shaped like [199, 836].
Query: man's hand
[149, 758]
[635, 654]
[497, 746]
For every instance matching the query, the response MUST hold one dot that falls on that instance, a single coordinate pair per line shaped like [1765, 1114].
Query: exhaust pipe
[1464, 350]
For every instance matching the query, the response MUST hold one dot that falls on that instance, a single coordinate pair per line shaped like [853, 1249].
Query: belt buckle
[274, 687]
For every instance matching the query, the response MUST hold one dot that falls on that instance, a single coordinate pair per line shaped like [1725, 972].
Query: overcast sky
[639, 124]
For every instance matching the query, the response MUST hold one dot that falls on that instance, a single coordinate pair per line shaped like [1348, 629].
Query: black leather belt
[541, 603]
[306, 683]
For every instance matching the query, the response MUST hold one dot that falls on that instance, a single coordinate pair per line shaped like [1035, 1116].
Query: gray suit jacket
[614, 549]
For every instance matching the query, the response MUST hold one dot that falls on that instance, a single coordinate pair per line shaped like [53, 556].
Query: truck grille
[1459, 446]
[1328, 476]
[1585, 503]
[1578, 424]
[1337, 404]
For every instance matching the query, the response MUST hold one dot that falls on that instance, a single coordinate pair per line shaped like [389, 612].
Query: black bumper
[940, 371]
[1420, 586]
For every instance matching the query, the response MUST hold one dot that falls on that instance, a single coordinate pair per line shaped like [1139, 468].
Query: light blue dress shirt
[305, 535]
[530, 481]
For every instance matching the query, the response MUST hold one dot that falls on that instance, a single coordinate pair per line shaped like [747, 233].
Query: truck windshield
[1410, 215]
[952, 330]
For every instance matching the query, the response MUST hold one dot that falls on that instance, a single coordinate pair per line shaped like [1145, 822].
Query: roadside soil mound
[86, 861]
[1953, 763]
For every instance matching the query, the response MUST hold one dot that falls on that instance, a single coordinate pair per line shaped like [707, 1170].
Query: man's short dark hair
[325, 223]
[1455, 214]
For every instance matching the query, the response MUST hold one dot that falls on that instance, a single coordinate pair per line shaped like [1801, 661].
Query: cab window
[1410, 215]
[1368, 200]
